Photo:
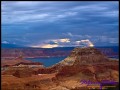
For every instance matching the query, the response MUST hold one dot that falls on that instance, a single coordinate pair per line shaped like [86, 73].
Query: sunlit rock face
[90, 62]
[79, 56]
[84, 55]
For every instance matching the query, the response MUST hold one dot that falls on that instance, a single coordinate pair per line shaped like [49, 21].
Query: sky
[50, 24]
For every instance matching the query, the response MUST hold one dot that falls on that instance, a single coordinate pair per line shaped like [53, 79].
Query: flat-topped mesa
[85, 51]
[88, 61]
[84, 55]
[79, 56]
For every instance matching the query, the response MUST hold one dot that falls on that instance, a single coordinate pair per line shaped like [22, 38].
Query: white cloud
[23, 18]
[66, 14]
[90, 8]
[5, 42]
[77, 35]
[70, 34]
[64, 40]
[26, 3]
[111, 14]
[65, 43]
[51, 43]
[46, 46]
[86, 42]
[108, 38]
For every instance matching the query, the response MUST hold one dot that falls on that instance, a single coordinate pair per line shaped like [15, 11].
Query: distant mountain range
[9, 49]
[7, 45]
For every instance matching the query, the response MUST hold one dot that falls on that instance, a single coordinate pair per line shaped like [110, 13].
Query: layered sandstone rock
[81, 64]
[78, 58]
[25, 72]
[90, 62]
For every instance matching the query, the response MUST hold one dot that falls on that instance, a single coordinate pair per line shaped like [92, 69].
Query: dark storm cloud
[33, 23]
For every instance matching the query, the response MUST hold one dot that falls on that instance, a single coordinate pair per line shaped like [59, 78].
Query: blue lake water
[47, 61]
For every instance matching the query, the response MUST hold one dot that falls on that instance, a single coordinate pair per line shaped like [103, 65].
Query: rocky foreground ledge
[82, 64]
